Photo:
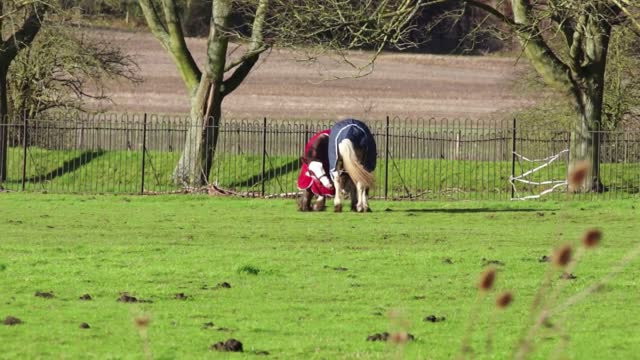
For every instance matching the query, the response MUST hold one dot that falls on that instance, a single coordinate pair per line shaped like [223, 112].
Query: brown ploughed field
[282, 86]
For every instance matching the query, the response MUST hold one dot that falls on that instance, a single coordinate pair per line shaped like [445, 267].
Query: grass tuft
[248, 270]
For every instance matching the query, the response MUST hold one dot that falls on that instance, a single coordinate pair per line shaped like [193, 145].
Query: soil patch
[85, 326]
[487, 262]
[231, 345]
[126, 298]
[568, 276]
[45, 294]
[86, 297]
[400, 337]
[337, 268]
[434, 319]
[11, 320]
[181, 296]
[378, 337]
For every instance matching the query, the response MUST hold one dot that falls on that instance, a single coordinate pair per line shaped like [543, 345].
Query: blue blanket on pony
[360, 136]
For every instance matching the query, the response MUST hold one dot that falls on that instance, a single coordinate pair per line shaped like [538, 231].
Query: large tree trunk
[4, 123]
[585, 140]
[206, 105]
[589, 99]
[203, 130]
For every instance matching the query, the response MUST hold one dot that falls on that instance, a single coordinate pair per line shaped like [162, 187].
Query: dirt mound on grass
[126, 298]
[434, 319]
[181, 296]
[400, 337]
[11, 320]
[45, 294]
[231, 345]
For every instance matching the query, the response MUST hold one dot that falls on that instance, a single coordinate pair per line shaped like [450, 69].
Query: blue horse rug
[360, 136]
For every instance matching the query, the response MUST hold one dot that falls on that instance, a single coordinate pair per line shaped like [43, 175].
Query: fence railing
[417, 159]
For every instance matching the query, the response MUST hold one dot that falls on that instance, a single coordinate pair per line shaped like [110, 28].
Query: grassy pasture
[304, 285]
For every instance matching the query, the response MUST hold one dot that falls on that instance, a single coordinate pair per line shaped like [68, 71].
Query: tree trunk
[4, 123]
[206, 105]
[203, 131]
[589, 98]
[585, 140]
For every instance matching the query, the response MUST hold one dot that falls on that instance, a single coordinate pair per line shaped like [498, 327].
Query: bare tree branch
[24, 36]
[172, 39]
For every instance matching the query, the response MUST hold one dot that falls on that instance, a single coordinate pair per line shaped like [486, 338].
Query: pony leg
[304, 203]
[320, 204]
[362, 199]
[337, 200]
[353, 194]
[366, 199]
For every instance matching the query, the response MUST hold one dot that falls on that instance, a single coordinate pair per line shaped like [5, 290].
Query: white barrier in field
[521, 178]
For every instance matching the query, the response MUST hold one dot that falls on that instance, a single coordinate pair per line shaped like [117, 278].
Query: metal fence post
[24, 150]
[386, 159]
[306, 135]
[264, 154]
[144, 151]
[513, 156]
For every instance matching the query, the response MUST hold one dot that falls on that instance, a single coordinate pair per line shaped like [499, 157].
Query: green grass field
[305, 285]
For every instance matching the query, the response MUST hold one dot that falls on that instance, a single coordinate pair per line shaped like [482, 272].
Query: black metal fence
[417, 159]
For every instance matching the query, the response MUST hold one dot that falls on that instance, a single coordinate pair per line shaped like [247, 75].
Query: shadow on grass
[271, 174]
[470, 211]
[68, 166]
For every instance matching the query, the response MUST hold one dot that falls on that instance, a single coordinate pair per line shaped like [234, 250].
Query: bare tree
[22, 20]
[332, 24]
[622, 86]
[65, 67]
[567, 43]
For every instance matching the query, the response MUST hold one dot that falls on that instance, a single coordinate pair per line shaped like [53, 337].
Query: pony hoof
[319, 208]
[337, 208]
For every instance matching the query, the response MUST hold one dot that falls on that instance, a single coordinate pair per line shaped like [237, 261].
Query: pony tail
[356, 171]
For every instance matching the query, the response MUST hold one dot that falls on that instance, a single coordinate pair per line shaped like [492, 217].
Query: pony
[352, 159]
[313, 179]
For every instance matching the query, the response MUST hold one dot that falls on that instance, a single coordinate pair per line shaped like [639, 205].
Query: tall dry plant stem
[544, 314]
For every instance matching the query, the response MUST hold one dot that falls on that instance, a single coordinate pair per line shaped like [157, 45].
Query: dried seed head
[399, 337]
[142, 321]
[487, 279]
[504, 300]
[591, 238]
[562, 257]
[578, 174]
